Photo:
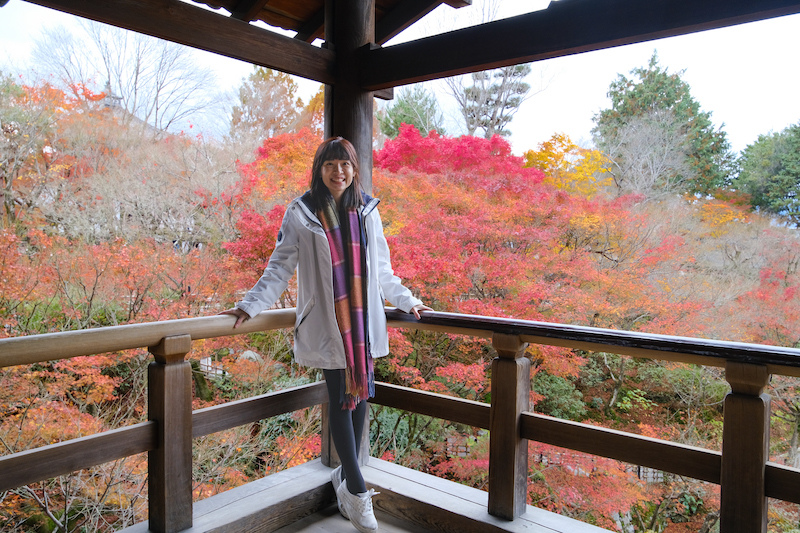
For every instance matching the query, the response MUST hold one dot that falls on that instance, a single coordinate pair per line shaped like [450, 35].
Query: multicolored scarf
[347, 242]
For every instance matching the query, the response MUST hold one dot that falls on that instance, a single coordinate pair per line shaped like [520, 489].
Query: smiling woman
[333, 237]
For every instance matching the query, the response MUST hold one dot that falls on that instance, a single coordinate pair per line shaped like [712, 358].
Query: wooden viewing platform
[742, 469]
[355, 67]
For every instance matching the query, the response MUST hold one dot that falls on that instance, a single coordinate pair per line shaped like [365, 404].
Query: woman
[333, 237]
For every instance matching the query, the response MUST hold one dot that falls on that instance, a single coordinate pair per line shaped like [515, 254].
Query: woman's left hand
[417, 308]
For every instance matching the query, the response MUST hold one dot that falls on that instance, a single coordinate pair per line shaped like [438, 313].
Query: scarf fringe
[356, 388]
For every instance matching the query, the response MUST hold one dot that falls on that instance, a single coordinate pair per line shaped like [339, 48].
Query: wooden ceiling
[565, 27]
[307, 17]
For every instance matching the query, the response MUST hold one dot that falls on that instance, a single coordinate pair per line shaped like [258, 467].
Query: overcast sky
[747, 76]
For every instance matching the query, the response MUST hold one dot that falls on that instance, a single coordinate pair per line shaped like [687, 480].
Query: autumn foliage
[472, 228]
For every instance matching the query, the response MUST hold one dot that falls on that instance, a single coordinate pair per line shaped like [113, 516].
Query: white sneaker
[336, 479]
[359, 508]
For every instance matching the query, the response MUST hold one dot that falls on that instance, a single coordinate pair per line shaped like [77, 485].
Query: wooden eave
[199, 28]
[306, 17]
[565, 27]
[233, 36]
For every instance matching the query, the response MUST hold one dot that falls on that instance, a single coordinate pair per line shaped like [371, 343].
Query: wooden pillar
[745, 450]
[170, 464]
[508, 452]
[350, 26]
[328, 454]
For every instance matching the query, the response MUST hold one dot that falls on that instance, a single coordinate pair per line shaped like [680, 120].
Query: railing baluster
[508, 452]
[170, 464]
[745, 450]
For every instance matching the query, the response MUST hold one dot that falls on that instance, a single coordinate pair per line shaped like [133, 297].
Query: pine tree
[489, 104]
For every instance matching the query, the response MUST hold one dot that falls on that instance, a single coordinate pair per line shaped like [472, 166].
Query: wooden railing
[742, 469]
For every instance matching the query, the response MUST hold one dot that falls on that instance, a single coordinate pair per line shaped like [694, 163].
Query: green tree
[415, 106]
[652, 91]
[770, 173]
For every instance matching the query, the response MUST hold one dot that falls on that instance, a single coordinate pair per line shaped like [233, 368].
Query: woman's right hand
[241, 316]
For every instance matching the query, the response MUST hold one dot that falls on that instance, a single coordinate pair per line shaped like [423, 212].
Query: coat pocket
[302, 315]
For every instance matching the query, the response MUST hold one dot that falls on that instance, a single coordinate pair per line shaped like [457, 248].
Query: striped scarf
[347, 242]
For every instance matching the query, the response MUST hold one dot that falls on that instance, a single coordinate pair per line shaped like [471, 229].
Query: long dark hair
[340, 149]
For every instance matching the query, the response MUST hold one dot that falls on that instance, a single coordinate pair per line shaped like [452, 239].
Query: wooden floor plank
[330, 521]
[447, 506]
[301, 500]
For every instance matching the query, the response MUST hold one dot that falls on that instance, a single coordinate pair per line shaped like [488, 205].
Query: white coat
[303, 246]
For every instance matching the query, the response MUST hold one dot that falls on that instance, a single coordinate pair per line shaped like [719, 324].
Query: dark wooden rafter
[565, 27]
[248, 10]
[401, 17]
[202, 29]
[313, 28]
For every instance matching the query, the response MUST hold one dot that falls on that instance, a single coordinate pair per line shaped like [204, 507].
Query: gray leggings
[347, 428]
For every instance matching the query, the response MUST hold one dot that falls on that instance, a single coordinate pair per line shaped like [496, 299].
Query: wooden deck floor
[329, 520]
[301, 499]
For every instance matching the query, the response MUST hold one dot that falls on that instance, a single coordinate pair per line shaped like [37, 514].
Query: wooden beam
[468, 412]
[403, 15]
[565, 27]
[199, 28]
[681, 459]
[782, 482]
[248, 410]
[62, 458]
[349, 109]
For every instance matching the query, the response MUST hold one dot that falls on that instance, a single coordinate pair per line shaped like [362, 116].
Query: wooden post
[349, 27]
[170, 464]
[745, 450]
[508, 452]
[328, 454]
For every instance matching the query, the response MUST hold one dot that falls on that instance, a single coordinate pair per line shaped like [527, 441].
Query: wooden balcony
[299, 498]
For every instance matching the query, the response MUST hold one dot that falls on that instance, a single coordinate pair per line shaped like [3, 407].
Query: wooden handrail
[707, 352]
[67, 344]
[748, 367]
[40, 348]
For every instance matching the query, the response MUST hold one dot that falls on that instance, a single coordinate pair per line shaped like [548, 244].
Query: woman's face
[337, 175]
